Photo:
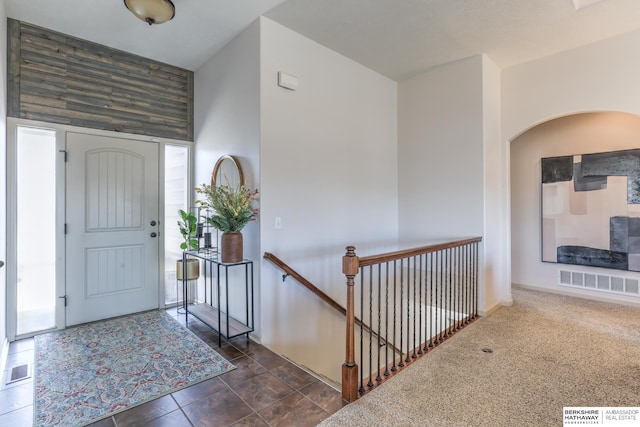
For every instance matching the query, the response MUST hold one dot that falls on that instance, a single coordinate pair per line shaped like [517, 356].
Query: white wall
[329, 171]
[497, 286]
[227, 121]
[3, 181]
[449, 155]
[599, 77]
[440, 152]
[576, 134]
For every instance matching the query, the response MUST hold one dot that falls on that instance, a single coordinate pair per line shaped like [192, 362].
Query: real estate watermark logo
[604, 416]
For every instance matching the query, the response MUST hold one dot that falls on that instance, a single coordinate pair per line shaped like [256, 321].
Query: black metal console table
[215, 314]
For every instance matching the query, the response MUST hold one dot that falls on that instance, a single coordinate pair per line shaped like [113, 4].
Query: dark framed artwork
[591, 210]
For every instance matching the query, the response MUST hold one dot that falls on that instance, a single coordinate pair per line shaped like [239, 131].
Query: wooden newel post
[350, 267]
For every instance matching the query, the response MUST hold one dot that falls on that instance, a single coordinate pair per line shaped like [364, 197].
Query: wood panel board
[61, 79]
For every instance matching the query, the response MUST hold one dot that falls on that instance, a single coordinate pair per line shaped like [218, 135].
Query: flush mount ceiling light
[152, 11]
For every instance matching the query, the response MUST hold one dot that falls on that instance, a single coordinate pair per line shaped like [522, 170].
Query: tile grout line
[294, 391]
[180, 409]
[298, 390]
[268, 371]
[249, 406]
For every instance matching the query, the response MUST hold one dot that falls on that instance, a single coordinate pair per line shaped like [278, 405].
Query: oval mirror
[227, 171]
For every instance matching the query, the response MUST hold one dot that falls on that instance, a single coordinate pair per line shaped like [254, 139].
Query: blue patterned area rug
[92, 371]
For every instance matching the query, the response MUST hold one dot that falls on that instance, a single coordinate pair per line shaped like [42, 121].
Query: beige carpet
[549, 351]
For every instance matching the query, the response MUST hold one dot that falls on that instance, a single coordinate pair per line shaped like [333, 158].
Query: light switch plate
[287, 81]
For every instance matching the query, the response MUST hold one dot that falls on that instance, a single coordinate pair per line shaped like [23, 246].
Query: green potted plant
[232, 210]
[188, 225]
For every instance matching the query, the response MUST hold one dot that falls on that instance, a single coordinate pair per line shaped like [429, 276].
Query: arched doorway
[565, 136]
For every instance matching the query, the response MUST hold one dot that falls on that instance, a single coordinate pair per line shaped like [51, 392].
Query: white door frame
[10, 266]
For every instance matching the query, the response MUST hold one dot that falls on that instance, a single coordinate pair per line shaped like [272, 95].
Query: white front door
[112, 227]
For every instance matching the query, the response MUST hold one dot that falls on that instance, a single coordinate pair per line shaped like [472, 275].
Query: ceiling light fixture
[152, 11]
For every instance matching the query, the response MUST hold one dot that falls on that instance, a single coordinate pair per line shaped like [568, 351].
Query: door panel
[112, 199]
[114, 190]
[114, 270]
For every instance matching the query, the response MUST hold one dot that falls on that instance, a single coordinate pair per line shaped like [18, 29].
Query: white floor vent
[18, 373]
[600, 282]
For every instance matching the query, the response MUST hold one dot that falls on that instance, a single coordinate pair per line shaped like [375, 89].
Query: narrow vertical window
[176, 196]
[36, 230]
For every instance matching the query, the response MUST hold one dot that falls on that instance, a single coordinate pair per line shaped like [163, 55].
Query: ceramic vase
[231, 247]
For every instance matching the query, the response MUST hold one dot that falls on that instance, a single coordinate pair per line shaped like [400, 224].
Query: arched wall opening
[575, 134]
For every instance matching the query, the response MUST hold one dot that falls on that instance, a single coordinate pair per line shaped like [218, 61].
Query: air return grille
[600, 282]
[18, 373]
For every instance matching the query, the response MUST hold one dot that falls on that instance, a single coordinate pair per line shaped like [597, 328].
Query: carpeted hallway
[549, 351]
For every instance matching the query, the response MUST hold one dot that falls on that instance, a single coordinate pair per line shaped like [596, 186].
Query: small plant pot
[193, 269]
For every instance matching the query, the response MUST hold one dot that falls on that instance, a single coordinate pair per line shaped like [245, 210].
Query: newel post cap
[350, 262]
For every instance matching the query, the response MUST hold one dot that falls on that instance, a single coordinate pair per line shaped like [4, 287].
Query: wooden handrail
[307, 284]
[406, 253]
[320, 294]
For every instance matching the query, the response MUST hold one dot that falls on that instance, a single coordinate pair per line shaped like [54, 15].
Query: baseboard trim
[599, 296]
[4, 352]
[255, 337]
[493, 308]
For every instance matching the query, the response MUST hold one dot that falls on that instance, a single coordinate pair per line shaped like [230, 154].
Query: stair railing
[419, 297]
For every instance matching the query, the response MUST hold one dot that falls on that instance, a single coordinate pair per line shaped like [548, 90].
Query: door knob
[1, 264]
[154, 234]
[153, 223]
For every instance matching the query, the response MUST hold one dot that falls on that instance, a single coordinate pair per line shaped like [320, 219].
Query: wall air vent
[600, 282]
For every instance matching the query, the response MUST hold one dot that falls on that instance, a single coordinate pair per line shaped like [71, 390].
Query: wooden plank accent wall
[56, 78]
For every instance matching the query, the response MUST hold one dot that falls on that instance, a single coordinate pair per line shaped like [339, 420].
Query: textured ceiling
[401, 38]
[397, 38]
[199, 29]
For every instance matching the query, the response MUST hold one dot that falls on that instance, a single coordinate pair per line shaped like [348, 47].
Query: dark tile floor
[264, 390]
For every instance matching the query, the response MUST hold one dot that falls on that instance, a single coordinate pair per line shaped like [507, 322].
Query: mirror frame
[218, 165]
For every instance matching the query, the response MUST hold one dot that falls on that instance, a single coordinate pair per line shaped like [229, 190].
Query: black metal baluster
[428, 300]
[370, 383]
[469, 283]
[413, 344]
[458, 290]
[436, 319]
[445, 287]
[475, 312]
[386, 323]
[378, 377]
[401, 364]
[441, 287]
[466, 284]
[445, 305]
[454, 293]
[431, 301]
[395, 291]
[361, 389]
[459, 286]
[408, 358]
[421, 270]
[450, 285]
[468, 280]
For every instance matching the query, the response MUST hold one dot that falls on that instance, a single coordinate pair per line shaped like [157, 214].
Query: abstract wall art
[591, 210]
